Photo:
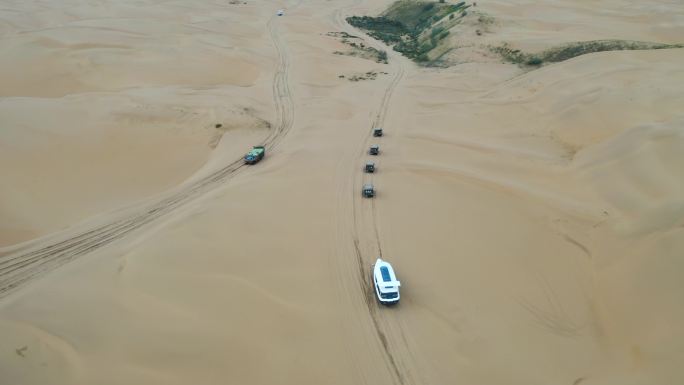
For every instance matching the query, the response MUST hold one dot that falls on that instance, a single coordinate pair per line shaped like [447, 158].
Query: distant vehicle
[377, 132]
[370, 167]
[386, 283]
[368, 191]
[255, 154]
[280, 12]
[374, 149]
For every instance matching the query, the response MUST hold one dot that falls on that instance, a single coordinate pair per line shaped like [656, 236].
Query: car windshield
[388, 295]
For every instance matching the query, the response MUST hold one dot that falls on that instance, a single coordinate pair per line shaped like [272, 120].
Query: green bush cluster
[404, 24]
[381, 28]
[571, 50]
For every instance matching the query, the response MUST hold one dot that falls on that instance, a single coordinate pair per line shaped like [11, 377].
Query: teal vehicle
[256, 154]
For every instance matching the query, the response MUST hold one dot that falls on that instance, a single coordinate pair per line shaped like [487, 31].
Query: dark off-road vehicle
[377, 132]
[374, 149]
[368, 191]
[370, 167]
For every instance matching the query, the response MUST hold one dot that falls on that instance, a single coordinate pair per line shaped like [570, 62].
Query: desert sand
[535, 218]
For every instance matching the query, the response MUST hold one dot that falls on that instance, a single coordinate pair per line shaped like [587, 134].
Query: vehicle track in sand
[43, 255]
[359, 215]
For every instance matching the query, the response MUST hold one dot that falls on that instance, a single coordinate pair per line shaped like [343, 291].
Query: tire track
[365, 228]
[365, 233]
[20, 268]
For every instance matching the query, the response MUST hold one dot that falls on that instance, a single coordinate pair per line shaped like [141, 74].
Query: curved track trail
[34, 260]
[359, 237]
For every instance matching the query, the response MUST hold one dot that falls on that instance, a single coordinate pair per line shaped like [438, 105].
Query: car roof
[385, 277]
[384, 271]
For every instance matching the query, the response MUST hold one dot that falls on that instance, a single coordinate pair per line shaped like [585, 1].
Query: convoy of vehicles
[384, 279]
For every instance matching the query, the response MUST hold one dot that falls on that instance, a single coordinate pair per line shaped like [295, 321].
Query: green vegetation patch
[358, 48]
[569, 51]
[412, 27]
[416, 16]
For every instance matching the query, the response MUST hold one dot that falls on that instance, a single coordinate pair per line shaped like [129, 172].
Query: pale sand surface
[89, 125]
[535, 219]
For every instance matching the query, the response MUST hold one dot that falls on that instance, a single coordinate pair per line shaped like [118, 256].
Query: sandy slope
[142, 111]
[534, 219]
[536, 26]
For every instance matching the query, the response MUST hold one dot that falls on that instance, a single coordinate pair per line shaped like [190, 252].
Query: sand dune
[114, 84]
[537, 26]
[561, 209]
[534, 217]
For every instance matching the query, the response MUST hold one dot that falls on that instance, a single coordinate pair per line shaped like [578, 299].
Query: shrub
[534, 61]
[436, 31]
[382, 56]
